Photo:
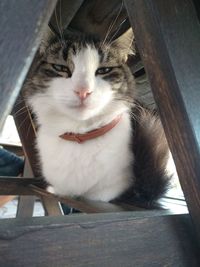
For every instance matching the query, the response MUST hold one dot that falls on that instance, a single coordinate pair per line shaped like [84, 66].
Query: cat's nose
[83, 93]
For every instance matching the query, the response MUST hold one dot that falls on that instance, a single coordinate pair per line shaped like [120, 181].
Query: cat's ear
[48, 35]
[125, 44]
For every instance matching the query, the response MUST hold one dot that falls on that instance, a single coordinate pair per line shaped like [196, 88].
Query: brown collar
[80, 138]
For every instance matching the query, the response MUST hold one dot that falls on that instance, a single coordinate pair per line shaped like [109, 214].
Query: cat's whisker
[29, 127]
[20, 111]
[62, 98]
[112, 25]
[61, 39]
[116, 32]
[19, 114]
[20, 108]
[19, 102]
[61, 26]
[22, 123]
[123, 98]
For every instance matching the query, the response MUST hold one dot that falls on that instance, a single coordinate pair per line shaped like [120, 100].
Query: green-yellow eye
[62, 68]
[103, 70]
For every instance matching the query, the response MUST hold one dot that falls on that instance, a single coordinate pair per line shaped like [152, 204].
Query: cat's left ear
[48, 35]
[125, 44]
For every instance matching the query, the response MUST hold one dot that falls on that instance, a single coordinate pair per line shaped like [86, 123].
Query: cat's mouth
[85, 108]
[84, 104]
[81, 106]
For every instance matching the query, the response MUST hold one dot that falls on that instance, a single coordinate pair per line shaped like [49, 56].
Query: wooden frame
[118, 239]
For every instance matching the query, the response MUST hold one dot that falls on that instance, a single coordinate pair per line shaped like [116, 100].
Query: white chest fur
[99, 169]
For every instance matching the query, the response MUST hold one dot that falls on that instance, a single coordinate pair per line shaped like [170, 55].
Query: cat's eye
[62, 68]
[103, 70]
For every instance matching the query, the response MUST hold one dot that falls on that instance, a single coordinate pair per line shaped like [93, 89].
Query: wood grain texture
[168, 38]
[22, 23]
[18, 186]
[100, 17]
[25, 205]
[63, 14]
[28, 186]
[83, 204]
[33, 186]
[113, 240]
[51, 206]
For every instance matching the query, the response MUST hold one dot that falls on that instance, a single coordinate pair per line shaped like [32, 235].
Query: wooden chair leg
[51, 206]
[168, 37]
[25, 206]
[26, 203]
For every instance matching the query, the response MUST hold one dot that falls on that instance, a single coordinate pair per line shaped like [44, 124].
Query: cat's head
[80, 76]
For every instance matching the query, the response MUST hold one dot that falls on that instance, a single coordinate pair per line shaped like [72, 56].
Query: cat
[81, 87]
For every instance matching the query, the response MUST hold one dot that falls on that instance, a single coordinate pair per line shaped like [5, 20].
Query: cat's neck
[57, 124]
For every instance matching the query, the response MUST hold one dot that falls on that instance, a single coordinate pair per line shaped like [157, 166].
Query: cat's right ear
[125, 44]
[48, 35]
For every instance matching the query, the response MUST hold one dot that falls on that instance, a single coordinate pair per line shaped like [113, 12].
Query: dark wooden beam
[22, 23]
[119, 239]
[168, 38]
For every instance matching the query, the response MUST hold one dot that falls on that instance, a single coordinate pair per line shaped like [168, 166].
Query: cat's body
[81, 87]
[98, 169]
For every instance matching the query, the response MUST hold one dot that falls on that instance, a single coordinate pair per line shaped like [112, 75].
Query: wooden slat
[114, 240]
[25, 204]
[81, 204]
[168, 38]
[21, 25]
[32, 186]
[51, 206]
[18, 186]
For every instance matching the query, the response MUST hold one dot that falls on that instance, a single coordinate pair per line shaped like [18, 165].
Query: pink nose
[83, 93]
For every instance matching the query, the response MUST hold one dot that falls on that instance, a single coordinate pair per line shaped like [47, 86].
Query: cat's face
[79, 79]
